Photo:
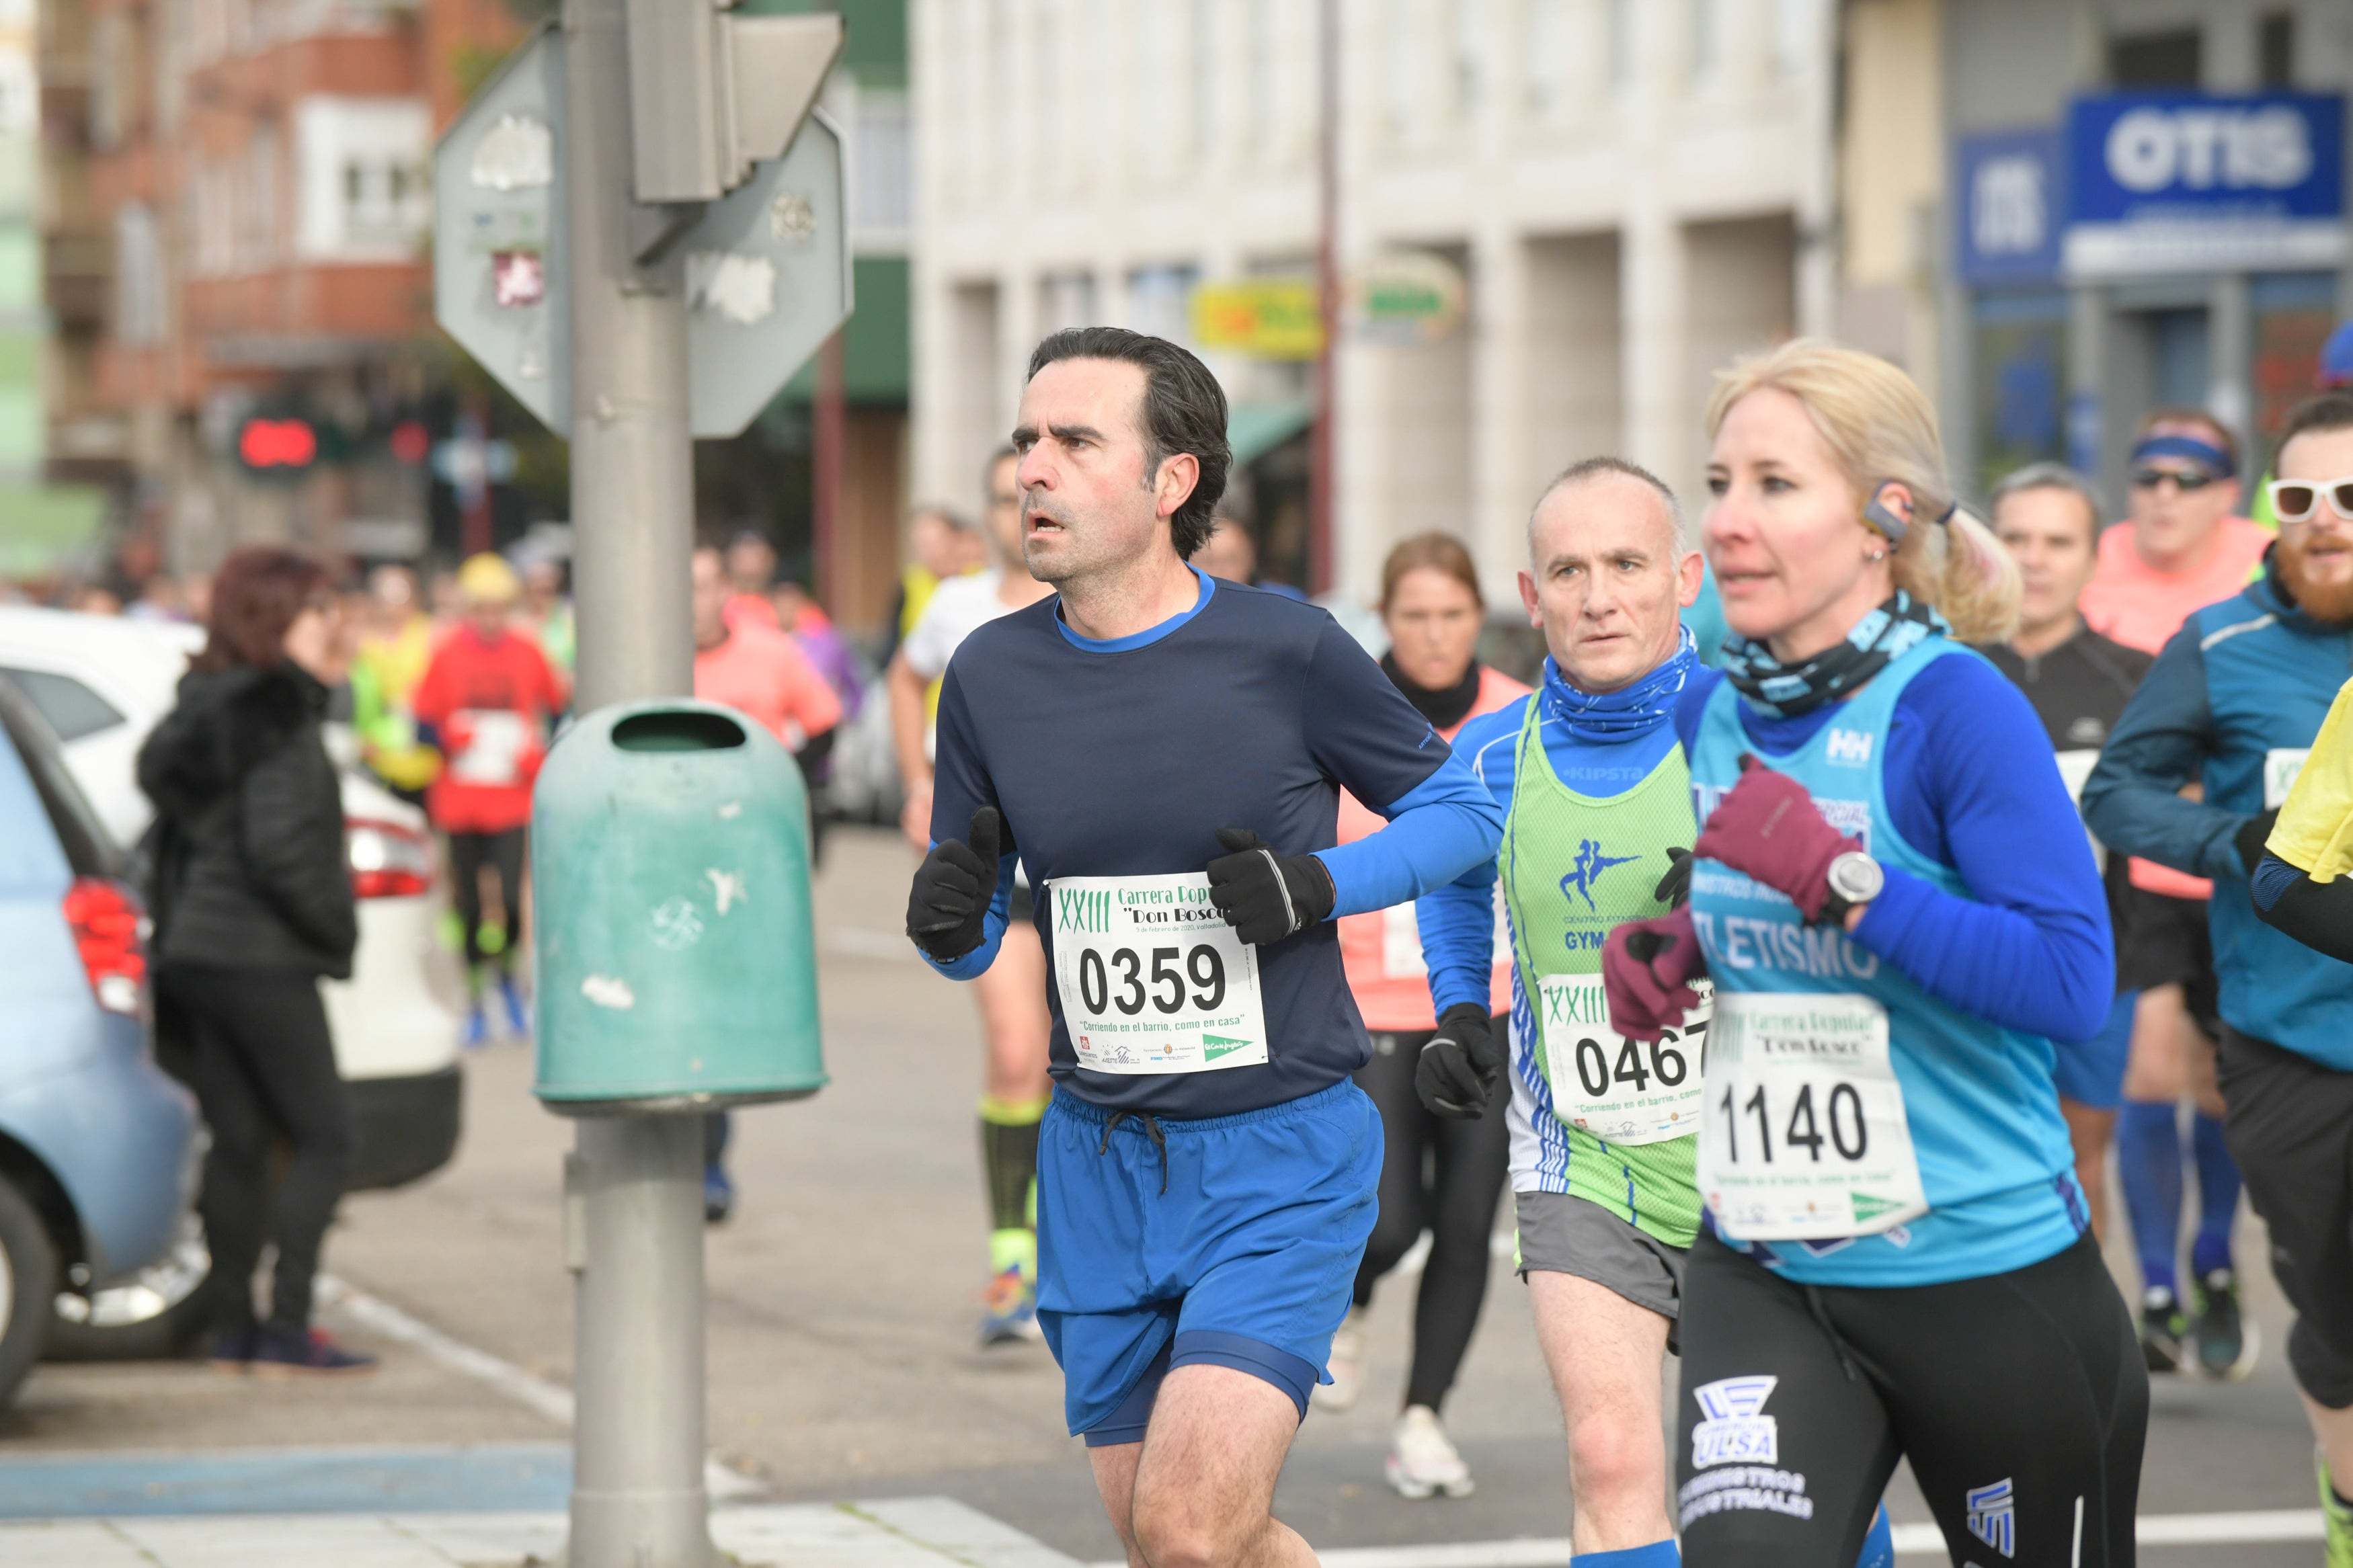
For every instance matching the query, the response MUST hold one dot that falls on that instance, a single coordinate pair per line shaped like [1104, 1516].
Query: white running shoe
[1346, 1364]
[1422, 1459]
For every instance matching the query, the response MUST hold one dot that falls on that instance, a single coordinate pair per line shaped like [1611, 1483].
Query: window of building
[1066, 300]
[1793, 35]
[1548, 55]
[1621, 45]
[1202, 50]
[2021, 380]
[883, 195]
[1396, 77]
[138, 276]
[1470, 55]
[2170, 58]
[1261, 63]
[1707, 38]
[2275, 49]
[109, 82]
[1159, 302]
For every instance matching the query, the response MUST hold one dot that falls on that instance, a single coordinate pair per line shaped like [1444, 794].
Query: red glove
[1769, 829]
[1646, 968]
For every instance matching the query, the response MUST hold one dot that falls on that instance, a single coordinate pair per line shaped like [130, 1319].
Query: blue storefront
[2150, 248]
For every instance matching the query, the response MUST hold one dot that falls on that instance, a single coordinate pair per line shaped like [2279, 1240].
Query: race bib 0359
[1152, 978]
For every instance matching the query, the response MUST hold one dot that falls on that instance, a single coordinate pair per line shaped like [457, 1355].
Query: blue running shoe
[476, 1032]
[518, 1010]
[718, 1194]
[1010, 1314]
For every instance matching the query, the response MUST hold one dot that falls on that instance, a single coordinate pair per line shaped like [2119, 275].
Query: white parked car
[103, 682]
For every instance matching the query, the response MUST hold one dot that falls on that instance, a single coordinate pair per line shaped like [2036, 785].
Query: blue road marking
[457, 1478]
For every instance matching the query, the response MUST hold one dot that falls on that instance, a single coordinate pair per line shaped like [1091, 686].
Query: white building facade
[1636, 191]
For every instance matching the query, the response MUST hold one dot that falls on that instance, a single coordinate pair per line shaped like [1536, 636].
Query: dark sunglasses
[2295, 500]
[2186, 479]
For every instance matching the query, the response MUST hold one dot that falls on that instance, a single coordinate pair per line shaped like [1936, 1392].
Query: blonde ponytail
[1879, 428]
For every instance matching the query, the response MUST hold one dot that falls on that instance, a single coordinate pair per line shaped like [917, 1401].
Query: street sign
[2181, 182]
[767, 280]
[501, 281]
[2013, 206]
[767, 271]
[1270, 318]
[1407, 297]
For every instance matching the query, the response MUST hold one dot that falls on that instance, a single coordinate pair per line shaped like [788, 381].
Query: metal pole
[633, 1187]
[1324, 439]
[830, 440]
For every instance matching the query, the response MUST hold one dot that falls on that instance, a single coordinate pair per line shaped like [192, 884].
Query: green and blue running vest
[1995, 1163]
[1574, 868]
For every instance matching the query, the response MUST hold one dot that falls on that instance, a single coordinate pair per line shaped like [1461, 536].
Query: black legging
[264, 1071]
[503, 852]
[1452, 1196]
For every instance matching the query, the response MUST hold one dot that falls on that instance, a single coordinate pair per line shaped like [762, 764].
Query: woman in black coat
[253, 904]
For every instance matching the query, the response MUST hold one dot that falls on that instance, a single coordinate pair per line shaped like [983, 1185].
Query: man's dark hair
[1184, 411]
[2330, 411]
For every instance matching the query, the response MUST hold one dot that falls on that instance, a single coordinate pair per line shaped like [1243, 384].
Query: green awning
[1254, 429]
[40, 525]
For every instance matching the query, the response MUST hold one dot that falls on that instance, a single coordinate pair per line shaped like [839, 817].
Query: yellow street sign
[1271, 318]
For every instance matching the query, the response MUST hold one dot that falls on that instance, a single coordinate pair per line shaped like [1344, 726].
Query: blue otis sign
[2191, 181]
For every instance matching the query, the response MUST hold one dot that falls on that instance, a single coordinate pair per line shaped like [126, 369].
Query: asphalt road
[843, 1300]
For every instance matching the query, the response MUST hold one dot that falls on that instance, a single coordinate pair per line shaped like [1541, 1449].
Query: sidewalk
[903, 1533]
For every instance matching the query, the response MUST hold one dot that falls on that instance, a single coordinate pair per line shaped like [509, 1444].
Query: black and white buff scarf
[1784, 691]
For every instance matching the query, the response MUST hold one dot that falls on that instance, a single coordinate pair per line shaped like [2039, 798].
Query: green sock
[1008, 1156]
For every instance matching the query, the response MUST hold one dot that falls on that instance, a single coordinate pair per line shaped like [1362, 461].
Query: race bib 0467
[1152, 978]
[1622, 1092]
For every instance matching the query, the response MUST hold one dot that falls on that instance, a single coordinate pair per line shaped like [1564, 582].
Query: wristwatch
[1854, 879]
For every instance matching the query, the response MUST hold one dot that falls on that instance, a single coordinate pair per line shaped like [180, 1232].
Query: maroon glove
[1646, 966]
[1769, 829]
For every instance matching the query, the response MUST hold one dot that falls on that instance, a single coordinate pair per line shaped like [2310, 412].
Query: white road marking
[1910, 1540]
[533, 1392]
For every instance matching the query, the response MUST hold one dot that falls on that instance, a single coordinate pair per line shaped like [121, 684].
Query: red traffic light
[410, 444]
[277, 444]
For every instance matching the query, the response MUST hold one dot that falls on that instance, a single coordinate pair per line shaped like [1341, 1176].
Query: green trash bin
[674, 950]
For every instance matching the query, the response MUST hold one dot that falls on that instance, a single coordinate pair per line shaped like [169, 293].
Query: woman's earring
[1875, 556]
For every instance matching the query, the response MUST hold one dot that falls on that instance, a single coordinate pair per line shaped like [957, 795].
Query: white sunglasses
[2295, 500]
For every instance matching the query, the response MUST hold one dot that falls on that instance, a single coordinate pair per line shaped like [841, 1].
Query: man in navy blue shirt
[1163, 754]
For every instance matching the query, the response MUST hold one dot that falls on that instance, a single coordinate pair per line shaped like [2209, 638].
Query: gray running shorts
[1560, 1233]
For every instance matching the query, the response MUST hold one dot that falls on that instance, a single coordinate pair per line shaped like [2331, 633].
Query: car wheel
[28, 1278]
[156, 1313]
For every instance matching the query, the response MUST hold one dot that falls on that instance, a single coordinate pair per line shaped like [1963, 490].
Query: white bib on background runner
[1623, 1091]
[493, 751]
[1805, 1135]
[1152, 978]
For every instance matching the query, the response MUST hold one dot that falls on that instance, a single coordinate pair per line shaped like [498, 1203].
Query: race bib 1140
[1152, 978]
[1805, 1136]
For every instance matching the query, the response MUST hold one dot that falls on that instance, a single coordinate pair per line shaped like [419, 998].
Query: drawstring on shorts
[1151, 1125]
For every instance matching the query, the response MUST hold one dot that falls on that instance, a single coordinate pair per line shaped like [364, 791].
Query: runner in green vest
[1597, 832]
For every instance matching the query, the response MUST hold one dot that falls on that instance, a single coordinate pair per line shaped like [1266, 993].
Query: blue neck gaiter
[1624, 715]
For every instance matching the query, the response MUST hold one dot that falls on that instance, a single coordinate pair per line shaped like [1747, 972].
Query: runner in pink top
[1432, 607]
[2184, 548]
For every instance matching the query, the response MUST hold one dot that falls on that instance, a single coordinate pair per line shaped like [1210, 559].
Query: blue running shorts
[1227, 1240]
[2092, 1072]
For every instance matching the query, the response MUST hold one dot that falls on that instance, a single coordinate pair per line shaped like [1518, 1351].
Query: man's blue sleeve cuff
[975, 964]
[2273, 877]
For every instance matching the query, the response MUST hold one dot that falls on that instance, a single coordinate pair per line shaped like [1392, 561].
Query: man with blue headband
[1598, 830]
[2182, 550]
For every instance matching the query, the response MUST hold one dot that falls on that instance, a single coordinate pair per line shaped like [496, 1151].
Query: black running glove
[1458, 1067]
[2249, 840]
[952, 889]
[1266, 897]
[1675, 888]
